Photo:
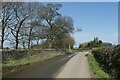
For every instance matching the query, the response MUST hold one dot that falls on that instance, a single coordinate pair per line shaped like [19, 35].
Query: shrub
[109, 59]
[69, 51]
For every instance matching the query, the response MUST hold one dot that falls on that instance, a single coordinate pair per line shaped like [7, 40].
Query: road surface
[69, 66]
[76, 67]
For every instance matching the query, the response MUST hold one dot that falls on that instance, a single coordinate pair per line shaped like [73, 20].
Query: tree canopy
[26, 24]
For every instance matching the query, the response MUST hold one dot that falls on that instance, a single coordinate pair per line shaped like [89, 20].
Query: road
[69, 66]
[76, 67]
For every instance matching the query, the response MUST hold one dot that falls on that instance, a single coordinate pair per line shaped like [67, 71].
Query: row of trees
[25, 24]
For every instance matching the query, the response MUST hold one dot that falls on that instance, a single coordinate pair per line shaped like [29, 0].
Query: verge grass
[97, 70]
[31, 59]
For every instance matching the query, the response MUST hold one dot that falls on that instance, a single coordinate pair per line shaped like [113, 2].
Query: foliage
[96, 43]
[98, 72]
[59, 43]
[39, 56]
[109, 59]
[64, 42]
[28, 23]
[69, 51]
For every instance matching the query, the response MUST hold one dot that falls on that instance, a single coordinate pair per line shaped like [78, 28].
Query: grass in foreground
[98, 72]
[31, 59]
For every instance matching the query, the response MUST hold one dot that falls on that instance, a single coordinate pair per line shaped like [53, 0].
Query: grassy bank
[16, 63]
[98, 72]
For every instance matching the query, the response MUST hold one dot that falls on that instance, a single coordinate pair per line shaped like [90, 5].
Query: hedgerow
[109, 59]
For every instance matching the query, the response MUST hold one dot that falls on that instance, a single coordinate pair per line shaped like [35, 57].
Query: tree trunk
[23, 45]
[17, 33]
[2, 41]
[29, 39]
[38, 42]
[16, 47]
[3, 29]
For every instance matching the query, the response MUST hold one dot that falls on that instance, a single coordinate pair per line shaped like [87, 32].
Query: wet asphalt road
[46, 69]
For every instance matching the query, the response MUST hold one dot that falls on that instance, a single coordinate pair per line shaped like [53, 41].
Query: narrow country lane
[69, 66]
[76, 67]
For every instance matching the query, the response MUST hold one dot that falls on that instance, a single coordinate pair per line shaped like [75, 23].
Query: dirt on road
[76, 67]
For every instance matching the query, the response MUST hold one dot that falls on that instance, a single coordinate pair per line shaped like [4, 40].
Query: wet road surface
[69, 66]
[46, 69]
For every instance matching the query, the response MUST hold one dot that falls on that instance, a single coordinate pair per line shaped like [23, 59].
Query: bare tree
[49, 14]
[30, 22]
[24, 35]
[7, 13]
[35, 23]
[39, 33]
[20, 16]
[0, 24]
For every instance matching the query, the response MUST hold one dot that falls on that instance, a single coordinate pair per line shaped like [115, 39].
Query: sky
[96, 19]
[60, 0]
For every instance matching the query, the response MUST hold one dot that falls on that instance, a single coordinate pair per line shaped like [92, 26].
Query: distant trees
[94, 43]
[64, 42]
[25, 24]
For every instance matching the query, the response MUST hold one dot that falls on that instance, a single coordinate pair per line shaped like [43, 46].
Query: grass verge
[98, 72]
[16, 63]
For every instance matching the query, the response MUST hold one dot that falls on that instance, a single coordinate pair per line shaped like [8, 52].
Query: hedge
[109, 59]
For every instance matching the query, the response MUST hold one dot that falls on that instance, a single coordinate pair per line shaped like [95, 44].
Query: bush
[109, 59]
[98, 72]
[69, 51]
